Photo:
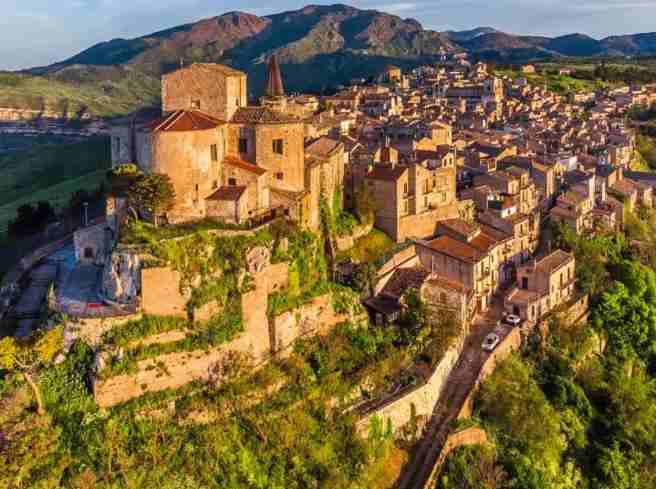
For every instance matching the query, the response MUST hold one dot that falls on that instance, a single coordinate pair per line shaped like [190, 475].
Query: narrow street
[460, 383]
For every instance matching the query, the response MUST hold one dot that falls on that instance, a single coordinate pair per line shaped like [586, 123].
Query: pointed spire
[274, 86]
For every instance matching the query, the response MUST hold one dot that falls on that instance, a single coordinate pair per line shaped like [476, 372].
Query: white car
[513, 319]
[491, 342]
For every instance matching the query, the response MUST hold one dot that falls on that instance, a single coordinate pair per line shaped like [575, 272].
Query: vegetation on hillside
[576, 410]
[98, 93]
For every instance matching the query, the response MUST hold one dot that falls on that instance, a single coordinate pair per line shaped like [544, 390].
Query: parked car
[513, 319]
[491, 341]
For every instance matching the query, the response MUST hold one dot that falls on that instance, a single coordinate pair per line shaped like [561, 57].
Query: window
[232, 181]
[215, 152]
[215, 184]
[197, 187]
[406, 207]
[524, 282]
[88, 253]
[443, 297]
[195, 104]
[243, 145]
[405, 189]
[279, 176]
[278, 146]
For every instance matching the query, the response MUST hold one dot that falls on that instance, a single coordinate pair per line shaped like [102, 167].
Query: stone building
[226, 159]
[411, 198]
[542, 285]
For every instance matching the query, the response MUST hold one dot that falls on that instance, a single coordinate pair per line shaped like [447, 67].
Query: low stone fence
[419, 400]
[463, 438]
[511, 343]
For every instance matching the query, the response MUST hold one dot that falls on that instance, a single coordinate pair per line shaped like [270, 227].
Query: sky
[41, 32]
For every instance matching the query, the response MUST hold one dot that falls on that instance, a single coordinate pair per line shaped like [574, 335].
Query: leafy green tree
[153, 193]
[28, 358]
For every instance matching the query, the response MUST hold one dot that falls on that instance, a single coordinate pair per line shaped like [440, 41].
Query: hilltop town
[427, 203]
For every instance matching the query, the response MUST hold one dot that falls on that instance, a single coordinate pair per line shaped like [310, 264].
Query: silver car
[491, 341]
[513, 319]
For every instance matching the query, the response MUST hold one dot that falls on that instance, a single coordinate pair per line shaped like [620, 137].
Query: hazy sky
[38, 32]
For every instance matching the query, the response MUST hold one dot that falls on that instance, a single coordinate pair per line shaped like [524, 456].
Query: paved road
[460, 383]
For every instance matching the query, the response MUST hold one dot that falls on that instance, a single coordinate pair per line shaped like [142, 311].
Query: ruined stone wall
[317, 317]
[398, 410]
[161, 294]
[91, 330]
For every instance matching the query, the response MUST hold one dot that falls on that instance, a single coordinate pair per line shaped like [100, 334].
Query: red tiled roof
[403, 279]
[456, 249]
[386, 172]
[243, 165]
[229, 193]
[184, 120]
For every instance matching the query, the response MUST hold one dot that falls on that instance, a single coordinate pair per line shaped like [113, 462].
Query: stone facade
[92, 244]
[214, 89]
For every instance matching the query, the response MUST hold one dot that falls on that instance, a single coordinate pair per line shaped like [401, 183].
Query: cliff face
[29, 121]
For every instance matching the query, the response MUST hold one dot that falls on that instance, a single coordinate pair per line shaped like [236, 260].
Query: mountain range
[318, 47]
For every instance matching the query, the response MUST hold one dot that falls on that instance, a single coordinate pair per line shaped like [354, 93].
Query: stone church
[227, 159]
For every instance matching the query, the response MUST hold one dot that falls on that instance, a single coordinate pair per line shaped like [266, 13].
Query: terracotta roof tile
[228, 193]
[184, 120]
[456, 249]
[243, 165]
[386, 172]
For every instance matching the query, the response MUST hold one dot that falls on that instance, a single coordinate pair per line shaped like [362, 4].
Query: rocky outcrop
[121, 280]
[41, 121]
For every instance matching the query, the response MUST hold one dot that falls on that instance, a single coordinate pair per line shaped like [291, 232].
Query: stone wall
[425, 224]
[510, 344]
[398, 410]
[402, 259]
[91, 330]
[343, 243]
[463, 438]
[174, 370]
[161, 294]
[315, 317]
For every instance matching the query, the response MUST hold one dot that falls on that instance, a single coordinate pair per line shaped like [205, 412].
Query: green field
[51, 173]
[561, 84]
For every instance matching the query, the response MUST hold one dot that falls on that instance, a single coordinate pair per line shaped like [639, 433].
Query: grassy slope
[50, 173]
[557, 83]
[110, 97]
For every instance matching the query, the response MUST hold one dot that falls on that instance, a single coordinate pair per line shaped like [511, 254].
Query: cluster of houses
[464, 164]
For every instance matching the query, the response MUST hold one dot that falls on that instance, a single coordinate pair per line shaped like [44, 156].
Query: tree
[29, 357]
[153, 193]
[31, 219]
